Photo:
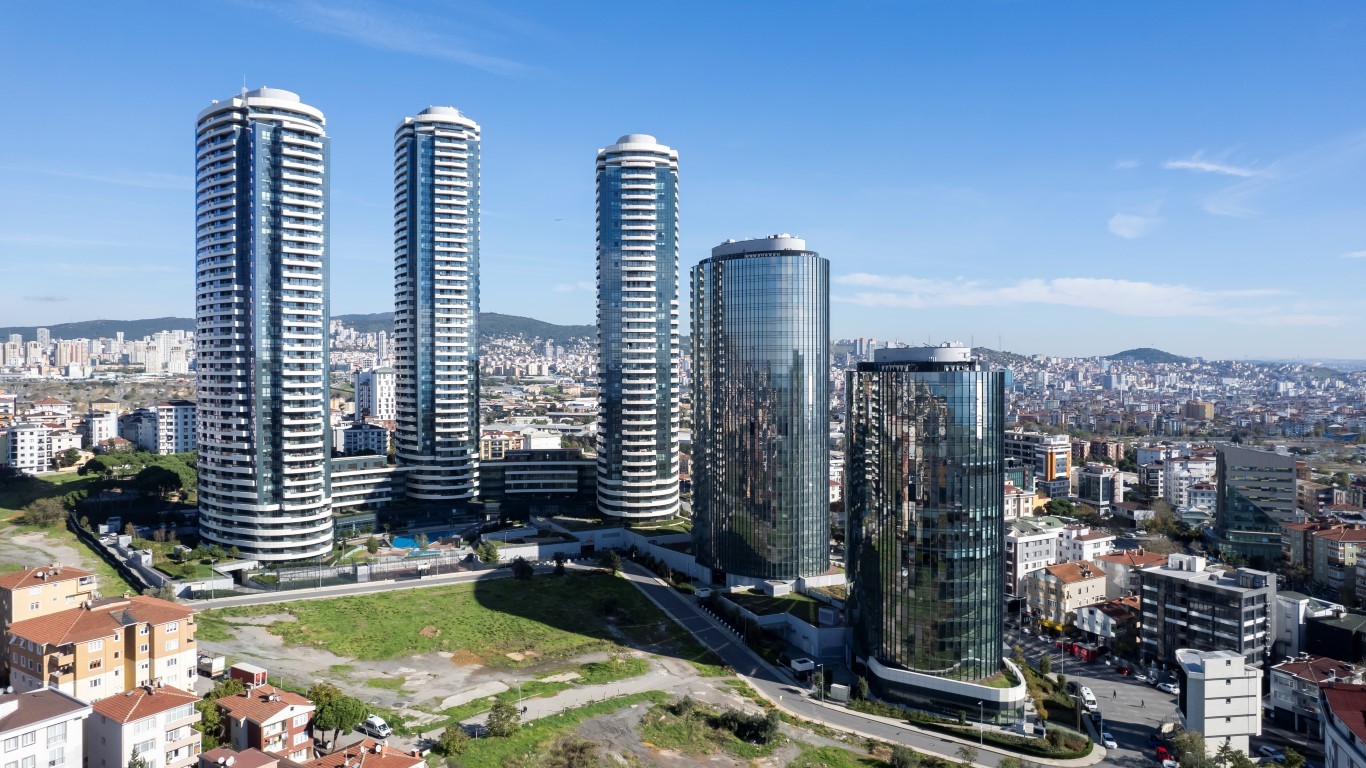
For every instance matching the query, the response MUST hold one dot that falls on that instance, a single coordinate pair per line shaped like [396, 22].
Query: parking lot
[1131, 709]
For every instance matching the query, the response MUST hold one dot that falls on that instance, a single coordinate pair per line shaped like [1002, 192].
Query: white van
[375, 726]
[1088, 700]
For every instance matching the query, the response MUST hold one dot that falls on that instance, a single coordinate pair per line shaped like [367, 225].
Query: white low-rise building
[29, 448]
[156, 724]
[1220, 697]
[1344, 725]
[42, 729]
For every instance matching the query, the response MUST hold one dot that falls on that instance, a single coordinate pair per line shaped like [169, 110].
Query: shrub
[903, 757]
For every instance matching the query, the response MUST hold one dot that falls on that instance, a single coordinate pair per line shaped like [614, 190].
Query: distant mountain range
[490, 324]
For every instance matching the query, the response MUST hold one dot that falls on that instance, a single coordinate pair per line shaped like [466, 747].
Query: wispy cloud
[581, 285]
[390, 29]
[45, 299]
[1199, 164]
[1125, 165]
[1342, 156]
[1354, 255]
[1135, 222]
[1120, 297]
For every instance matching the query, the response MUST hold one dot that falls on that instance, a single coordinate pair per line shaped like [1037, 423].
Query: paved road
[789, 695]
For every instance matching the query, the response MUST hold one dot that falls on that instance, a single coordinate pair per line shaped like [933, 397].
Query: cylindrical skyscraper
[261, 335]
[638, 348]
[924, 480]
[436, 303]
[761, 410]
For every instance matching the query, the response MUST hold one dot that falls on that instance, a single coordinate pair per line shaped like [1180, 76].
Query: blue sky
[1066, 177]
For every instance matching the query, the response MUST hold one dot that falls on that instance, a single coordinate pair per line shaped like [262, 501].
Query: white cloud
[1354, 255]
[1120, 297]
[1124, 165]
[1199, 164]
[388, 29]
[1130, 225]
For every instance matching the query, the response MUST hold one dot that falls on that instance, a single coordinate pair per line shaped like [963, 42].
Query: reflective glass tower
[638, 350]
[761, 409]
[436, 303]
[261, 221]
[1256, 497]
[924, 479]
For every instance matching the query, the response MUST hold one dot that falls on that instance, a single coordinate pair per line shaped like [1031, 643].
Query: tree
[610, 560]
[818, 680]
[136, 761]
[44, 512]
[1190, 748]
[68, 458]
[420, 540]
[1045, 664]
[968, 754]
[504, 718]
[487, 552]
[522, 569]
[323, 693]
[1010, 762]
[560, 557]
[860, 691]
[158, 481]
[1293, 759]
[372, 545]
[1060, 508]
[1224, 754]
[453, 740]
[210, 724]
[234, 553]
[340, 713]
[904, 757]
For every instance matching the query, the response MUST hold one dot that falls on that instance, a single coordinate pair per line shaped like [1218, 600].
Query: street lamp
[981, 724]
[821, 671]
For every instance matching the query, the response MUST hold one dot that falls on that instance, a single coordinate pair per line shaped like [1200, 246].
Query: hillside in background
[1148, 355]
[491, 324]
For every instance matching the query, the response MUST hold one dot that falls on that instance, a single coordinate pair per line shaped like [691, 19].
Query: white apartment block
[1080, 542]
[1031, 545]
[1220, 697]
[1344, 725]
[375, 392]
[1179, 474]
[29, 447]
[156, 724]
[42, 729]
[175, 426]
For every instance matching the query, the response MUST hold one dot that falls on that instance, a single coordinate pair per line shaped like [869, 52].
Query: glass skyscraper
[1256, 495]
[436, 303]
[924, 480]
[761, 410]
[261, 333]
[638, 376]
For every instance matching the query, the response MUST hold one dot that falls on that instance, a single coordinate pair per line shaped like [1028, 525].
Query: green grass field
[18, 494]
[539, 735]
[694, 734]
[547, 618]
[801, 606]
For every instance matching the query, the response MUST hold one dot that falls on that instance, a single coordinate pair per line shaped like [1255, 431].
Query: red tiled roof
[369, 753]
[263, 703]
[1348, 704]
[1072, 573]
[1317, 669]
[247, 758]
[101, 620]
[1134, 558]
[142, 702]
[29, 577]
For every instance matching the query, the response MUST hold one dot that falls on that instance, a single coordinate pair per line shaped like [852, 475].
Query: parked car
[1273, 752]
[1162, 754]
[1108, 741]
[1171, 688]
[1026, 631]
[1140, 677]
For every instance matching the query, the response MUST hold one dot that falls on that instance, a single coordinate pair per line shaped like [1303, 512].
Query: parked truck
[212, 665]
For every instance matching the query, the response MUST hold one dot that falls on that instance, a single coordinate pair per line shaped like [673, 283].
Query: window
[300, 721]
[144, 725]
[28, 739]
[11, 744]
[143, 648]
[94, 646]
[173, 626]
[146, 747]
[29, 762]
[56, 734]
[300, 738]
[171, 645]
[96, 663]
[175, 735]
[96, 683]
[142, 630]
[33, 606]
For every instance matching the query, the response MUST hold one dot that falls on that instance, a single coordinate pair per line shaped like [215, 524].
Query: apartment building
[1110, 620]
[1081, 542]
[370, 754]
[1291, 619]
[1031, 544]
[1057, 592]
[1100, 485]
[1018, 502]
[42, 728]
[1182, 472]
[1343, 708]
[1335, 550]
[43, 590]
[1122, 567]
[271, 720]
[154, 723]
[1186, 604]
[175, 426]
[1295, 689]
[1221, 697]
[1050, 455]
[104, 648]
[29, 448]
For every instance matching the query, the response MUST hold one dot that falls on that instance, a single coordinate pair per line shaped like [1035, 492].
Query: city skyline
[1007, 208]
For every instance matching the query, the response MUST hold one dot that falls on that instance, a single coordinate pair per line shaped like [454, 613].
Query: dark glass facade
[924, 475]
[1256, 495]
[761, 414]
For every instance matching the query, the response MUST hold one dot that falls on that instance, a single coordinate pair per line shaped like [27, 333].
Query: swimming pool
[410, 542]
